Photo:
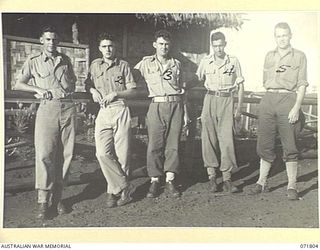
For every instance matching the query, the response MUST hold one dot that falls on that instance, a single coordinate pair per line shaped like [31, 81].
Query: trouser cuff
[170, 176]
[154, 179]
[226, 176]
[43, 196]
[211, 172]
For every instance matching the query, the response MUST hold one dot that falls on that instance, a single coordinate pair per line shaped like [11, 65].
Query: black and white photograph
[160, 120]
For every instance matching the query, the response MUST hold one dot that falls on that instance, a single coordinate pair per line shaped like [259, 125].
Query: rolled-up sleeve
[239, 77]
[200, 71]
[302, 74]
[25, 73]
[129, 80]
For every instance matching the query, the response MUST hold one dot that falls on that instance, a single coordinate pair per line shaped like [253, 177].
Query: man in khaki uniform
[285, 80]
[162, 75]
[53, 81]
[110, 82]
[222, 76]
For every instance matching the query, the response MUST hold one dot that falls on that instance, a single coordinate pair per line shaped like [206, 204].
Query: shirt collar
[45, 57]
[171, 61]
[290, 51]
[226, 59]
[115, 61]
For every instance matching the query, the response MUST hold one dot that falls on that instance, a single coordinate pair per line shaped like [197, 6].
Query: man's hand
[47, 95]
[237, 114]
[108, 98]
[186, 120]
[96, 96]
[58, 93]
[293, 116]
[43, 94]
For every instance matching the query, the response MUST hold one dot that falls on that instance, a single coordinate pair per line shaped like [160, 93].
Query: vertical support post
[309, 113]
[6, 63]
[247, 122]
[125, 42]
[87, 59]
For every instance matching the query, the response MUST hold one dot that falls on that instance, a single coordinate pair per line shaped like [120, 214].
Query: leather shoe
[61, 208]
[171, 187]
[125, 196]
[111, 200]
[258, 189]
[229, 188]
[292, 194]
[42, 212]
[213, 185]
[153, 189]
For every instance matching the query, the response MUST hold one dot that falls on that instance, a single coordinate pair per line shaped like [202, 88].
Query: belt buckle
[218, 93]
[167, 98]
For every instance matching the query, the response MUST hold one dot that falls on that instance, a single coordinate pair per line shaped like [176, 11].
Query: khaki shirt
[161, 81]
[287, 72]
[225, 76]
[109, 78]
[49, 73]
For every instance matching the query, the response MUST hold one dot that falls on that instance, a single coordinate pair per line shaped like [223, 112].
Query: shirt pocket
[211, 74]
[118, 83]
[291, 73]
[97, 75]
[98, 79]
[229, 74]
[174, 78]
[269, 64]
[153, 76]
[41, 78]
[41, 74]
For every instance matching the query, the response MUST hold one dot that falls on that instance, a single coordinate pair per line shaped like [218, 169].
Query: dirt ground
[197, 207]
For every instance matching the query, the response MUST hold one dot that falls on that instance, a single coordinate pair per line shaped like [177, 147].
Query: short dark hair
[164, 34]
[48, 28]
[283, 25]
[218, 36]
[105, 36]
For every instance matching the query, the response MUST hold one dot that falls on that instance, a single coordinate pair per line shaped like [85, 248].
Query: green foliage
[21, 120]
[186, 20]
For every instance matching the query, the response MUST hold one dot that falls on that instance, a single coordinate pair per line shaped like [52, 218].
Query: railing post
[248, 110]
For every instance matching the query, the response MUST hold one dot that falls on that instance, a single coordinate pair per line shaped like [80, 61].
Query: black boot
[171, 187]
[154, 189]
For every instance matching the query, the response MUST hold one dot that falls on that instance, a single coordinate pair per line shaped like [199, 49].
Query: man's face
[49, 40]
[162, 46]
[218, 47]
[108, 49]
[282, 37]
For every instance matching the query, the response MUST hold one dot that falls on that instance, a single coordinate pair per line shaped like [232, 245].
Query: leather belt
[167, 98]
[113, 104]
[57, 100]
[279, 91]
[219, 93]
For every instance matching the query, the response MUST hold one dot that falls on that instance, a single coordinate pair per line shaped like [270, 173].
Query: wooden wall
[17, 49]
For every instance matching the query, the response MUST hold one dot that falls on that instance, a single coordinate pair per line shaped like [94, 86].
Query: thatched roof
[185, 20]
